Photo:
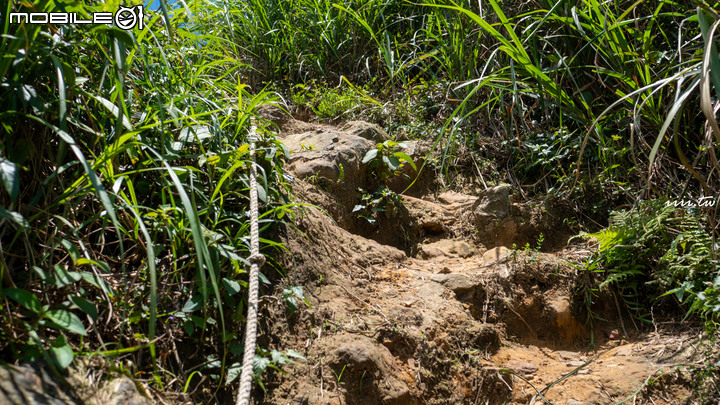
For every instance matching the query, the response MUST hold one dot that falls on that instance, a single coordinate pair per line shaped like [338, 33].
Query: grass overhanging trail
[139, 233]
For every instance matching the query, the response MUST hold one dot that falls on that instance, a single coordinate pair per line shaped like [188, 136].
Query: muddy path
[430, 305]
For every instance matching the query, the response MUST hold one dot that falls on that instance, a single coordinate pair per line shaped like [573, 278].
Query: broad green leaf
[15, 217]
[97, 282]
[44, 276]
[264, 279]
[262, 194]
[85, 305]
[193, 304]
[227, 251]
[370, 155]
[405, 157]
[66, 320]
[293, 353]
[64, 277]
[231, 286]
[24, 298]
[61, 353]
[393, 162]
[260, 364]
[71, 249]
[233, 373]
[10, 177]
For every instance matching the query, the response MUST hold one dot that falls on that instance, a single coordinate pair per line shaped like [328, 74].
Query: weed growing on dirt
[382, 200]
[706, 378]
[386, 159]
[329, 103]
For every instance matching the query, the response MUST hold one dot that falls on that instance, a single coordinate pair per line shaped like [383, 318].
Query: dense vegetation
[124, 154]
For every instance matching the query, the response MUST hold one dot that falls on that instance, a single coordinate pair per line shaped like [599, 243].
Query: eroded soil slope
[429, 306]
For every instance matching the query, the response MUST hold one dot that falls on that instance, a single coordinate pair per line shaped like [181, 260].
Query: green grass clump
[124, 158]
[631, 82]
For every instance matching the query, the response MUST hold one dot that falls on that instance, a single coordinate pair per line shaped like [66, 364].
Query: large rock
[493, 205]
[334, 159]
[446, 248]
[368, 371]
[120, 391]
[371, 132]
[440, 219]
[501, 220]
[498, 219]
[32, 385]
[322, 153]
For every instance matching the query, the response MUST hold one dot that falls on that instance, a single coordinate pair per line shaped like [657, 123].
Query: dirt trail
[430, 307]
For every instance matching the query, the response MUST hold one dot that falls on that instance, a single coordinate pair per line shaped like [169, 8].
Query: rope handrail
[256, 261]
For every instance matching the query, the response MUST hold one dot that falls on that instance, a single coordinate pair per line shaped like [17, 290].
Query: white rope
[256, 261]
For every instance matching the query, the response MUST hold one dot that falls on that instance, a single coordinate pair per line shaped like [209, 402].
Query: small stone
[624, 351]
[120, 391]
[566, 355]
[495, 254]
[522, 367]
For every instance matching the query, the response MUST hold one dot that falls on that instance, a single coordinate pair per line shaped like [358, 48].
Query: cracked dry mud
[431, 307]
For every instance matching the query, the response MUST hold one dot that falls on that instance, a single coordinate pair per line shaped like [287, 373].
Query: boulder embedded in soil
[497, 219]
[371, 132]
[367, 370]
[32, 384]
[447, 248]
[322, 153]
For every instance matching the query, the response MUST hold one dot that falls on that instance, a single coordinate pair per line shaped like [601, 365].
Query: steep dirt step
[327, 164]
[441, 319]
[396, 327]
[385, 328]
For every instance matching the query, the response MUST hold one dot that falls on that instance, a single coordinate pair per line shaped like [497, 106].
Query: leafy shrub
[381, 200]
[657, 250]
[387, 159]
